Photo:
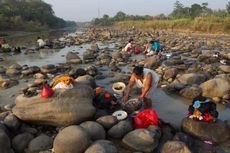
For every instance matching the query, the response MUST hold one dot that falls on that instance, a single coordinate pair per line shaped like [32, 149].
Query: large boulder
[107, 121]
[175, 147]
[12, 122]
[116, 55]
[5, 146]
[102, 146]
[170, 73]
[21, 141]
[95, 130]
[225, 68]
[192, 78]
[216, 131]
[40, 143]
[7, 83]
[72, 139]
[191, 92]
[71, 106]
[87, 80]
[152, 62]
[217, 87]
[50, 68]
[141, 140]
[121, 129]
[72, 57]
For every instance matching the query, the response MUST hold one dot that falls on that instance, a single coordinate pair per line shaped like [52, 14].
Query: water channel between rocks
[171, 108]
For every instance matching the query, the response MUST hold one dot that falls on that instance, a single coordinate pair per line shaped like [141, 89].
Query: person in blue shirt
[154, 49]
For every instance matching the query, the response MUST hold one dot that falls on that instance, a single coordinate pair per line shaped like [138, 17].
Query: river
[171, 108]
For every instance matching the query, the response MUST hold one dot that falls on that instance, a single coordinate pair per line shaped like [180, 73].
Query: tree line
[29, 15]
[179, 12]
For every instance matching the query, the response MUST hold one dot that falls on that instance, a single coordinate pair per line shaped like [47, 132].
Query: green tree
[228, 7]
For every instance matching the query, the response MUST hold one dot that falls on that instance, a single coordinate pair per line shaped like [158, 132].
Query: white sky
[86, 10]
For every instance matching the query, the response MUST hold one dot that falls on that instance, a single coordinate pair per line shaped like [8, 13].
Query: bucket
[119, 88]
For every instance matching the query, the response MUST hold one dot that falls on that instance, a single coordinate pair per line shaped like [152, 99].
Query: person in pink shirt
[128, 47]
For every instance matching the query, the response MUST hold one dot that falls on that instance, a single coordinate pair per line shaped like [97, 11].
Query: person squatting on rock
[147, 80]
[129, 46]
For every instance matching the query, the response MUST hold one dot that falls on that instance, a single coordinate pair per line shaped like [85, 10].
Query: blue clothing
[155, 46]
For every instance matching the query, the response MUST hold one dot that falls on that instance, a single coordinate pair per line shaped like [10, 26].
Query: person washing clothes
[129, 46]
[155, 48]
[147, 80]
[40, 42]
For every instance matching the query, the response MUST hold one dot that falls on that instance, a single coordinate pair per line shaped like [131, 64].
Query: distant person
[128, 47]
[40, 43]
[147, 80]
[148, 47]
[154, 49]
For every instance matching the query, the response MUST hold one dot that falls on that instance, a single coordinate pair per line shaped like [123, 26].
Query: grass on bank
[210, 24]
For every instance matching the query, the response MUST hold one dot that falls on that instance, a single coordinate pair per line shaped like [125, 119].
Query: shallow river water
[171, 108]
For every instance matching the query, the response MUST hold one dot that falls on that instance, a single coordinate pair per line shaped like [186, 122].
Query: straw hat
[119, 87]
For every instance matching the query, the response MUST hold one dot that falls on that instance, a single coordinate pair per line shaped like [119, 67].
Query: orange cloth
[65, 79]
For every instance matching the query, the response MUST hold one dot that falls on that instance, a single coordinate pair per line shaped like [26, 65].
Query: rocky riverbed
[64, 122]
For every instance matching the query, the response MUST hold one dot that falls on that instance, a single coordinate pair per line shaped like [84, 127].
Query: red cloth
[137, 51]
[146, 118]
[46, 91]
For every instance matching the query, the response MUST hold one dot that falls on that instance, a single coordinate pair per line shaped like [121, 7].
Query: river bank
[103, 61]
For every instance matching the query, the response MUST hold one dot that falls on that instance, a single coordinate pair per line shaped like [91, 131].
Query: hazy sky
[86, 10]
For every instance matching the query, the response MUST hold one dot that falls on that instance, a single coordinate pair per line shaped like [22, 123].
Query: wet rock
[35, 69]
[217, 87]
[152, 62]
[40, 143]
[94, 47]
[27, 72]
[141, 140]
[5, 144]
[184, 138]
[21, 141]
[50, 68]
[87, 80]
[107, 121]
[170, 73]
[8, 107]
[191, 92]
[2, 70]
[102, 146]
[39, 76]
[175, 147]
[12, 72]
[73, 58]
[225, 68]
[38, 82]
[72, 139]
[206, 131]
[12, 122]
[91, 70]
[7, 83]
[3, 115]
[192, 78]
[119, 130]
[95, 130]
[116, 55]
[15, 66]
[87, 56]
[67, 107]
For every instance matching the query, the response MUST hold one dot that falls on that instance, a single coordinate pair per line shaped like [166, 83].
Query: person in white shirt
[41, 43]
[147, 80]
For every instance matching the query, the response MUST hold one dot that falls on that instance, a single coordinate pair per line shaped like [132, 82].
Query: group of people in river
[152, 47]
